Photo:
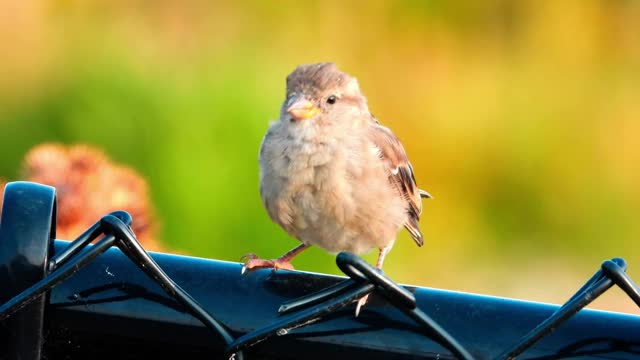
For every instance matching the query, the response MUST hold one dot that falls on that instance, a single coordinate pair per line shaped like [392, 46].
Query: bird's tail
[412, 226]
[424, 194]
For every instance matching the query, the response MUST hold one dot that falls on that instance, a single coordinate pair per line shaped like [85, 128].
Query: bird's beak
[302, 109]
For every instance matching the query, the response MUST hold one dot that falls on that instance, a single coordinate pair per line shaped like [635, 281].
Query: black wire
[63, 272]
[285, 324]
[60, 268]
[84, 239]
[356, 267]
[612, 271]
[439, 334]
[615, 272]
[316, 297]
[596, 277]
[118, 232]
[404, 300]
[302, 311]
[132, 248]
[365, 279]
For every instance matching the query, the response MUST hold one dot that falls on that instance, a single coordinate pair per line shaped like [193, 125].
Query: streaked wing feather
[400, 174]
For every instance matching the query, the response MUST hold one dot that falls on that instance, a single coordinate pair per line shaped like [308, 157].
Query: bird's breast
[322, 194]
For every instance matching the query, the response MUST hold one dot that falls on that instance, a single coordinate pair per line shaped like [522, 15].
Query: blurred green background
[522, 118]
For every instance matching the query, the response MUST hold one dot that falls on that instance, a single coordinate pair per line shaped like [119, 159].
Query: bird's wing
[400, 174]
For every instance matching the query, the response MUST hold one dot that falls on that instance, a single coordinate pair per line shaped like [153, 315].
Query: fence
[76, 300]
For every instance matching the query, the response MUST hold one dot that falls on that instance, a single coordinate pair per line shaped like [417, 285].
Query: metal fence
[76, 300]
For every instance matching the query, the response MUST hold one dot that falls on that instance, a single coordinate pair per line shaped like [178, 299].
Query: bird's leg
[283, 262]
[383, 252]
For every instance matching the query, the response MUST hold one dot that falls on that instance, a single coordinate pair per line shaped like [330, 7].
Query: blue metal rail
[77, 300]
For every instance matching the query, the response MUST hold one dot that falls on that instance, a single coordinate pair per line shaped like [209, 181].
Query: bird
[331, 175]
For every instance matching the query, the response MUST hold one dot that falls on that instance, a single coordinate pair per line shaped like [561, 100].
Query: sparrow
[331, 175]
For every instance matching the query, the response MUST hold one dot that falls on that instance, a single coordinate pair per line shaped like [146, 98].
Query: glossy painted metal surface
[111, 297]
[111, 307]
[26, 232]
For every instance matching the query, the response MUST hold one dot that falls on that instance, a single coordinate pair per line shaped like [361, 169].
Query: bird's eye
[332, 99]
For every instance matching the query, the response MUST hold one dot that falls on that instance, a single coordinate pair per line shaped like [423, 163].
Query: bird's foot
[361, 302]
[255, 263]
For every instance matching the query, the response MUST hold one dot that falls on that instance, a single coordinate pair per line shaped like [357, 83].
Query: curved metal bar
[27, 229]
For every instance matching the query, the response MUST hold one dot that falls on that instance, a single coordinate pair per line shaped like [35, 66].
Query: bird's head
[321, 94]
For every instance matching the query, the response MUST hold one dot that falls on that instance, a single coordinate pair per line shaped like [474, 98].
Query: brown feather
[314, 79]
[400, 174]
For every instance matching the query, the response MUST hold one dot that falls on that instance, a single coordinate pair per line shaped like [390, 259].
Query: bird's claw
[361, 302]
[254, 263]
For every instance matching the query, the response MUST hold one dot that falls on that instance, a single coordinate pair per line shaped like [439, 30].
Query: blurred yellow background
[522, 118]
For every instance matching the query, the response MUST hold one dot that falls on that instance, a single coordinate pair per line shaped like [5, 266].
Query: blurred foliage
[522, 118]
